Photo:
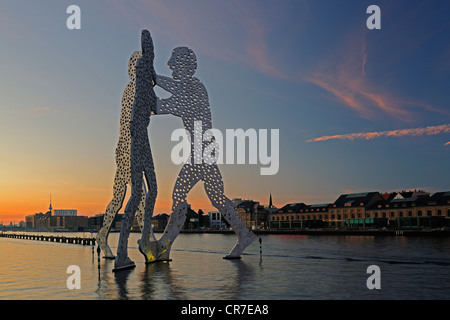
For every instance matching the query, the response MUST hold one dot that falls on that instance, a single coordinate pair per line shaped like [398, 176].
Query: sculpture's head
[132, 64]
[183, 63]
[147, 44]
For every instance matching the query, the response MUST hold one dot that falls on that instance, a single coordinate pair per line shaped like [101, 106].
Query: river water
[291, 267]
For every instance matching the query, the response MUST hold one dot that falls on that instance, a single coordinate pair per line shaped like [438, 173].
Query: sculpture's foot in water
[154, 250]
[108, 253]
[244, 240]
[104, 247]
[164, 251]
[123, 263]
[149, 249]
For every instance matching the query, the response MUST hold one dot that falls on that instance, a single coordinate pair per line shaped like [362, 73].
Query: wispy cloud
[41, 111]
[344, 74]
[257, 53]
[447, 144]
[433, 130]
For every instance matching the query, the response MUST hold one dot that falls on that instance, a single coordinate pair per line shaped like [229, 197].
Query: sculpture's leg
[185, 182]
[245, 236]
[122, 260]
[147, 243]
[215, 191]
[173, 228]
[119, 191]
[140, 213]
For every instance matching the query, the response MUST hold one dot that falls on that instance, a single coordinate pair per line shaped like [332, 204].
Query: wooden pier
[50, 238]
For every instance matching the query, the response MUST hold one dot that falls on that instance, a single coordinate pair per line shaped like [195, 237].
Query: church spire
[50, 207]
[270, 201]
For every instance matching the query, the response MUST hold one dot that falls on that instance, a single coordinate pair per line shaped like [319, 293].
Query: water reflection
[121, 281]
[159, 282]
[244, 274]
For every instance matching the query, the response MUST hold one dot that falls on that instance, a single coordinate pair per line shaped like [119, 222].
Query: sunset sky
[357, 109]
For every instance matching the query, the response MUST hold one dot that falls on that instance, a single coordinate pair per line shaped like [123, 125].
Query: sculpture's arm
[169, 105]
[166, 83]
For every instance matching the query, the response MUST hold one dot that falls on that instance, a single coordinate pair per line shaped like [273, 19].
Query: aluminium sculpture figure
[190, 101]
[123, 173]
[141, 161]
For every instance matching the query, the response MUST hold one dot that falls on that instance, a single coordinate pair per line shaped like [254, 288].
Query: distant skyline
[357, 110]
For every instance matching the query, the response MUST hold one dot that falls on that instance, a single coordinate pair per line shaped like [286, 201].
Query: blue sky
[308, 68]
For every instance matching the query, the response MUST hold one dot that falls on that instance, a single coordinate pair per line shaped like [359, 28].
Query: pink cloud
[432, 130]
[343, 74]
[257, 53]
[447, 144]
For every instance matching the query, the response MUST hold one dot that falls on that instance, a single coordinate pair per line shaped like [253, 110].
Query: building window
[409, 213]
[439, 212]
[400, 213]
[419, 213]
[392, 214]
[375, 214]
[429, 213]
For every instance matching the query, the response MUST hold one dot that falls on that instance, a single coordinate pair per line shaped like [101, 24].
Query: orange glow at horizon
[88, 202]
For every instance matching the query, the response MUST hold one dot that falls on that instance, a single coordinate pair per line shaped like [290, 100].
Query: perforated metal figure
[140, 153]
[123, 174]
[190, 101]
